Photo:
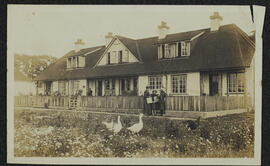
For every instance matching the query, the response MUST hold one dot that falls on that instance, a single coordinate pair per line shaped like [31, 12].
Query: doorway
[99, 88]
[213, 84]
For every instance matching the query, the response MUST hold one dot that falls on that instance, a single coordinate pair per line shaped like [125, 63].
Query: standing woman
[162, 97]
[147, 106]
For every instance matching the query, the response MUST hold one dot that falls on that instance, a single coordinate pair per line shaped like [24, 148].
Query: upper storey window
[172, 50]
[75, 62]
[117, 57]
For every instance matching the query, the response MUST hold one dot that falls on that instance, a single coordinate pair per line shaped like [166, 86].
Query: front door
[99, 88]
[213, 84]
[48, 85]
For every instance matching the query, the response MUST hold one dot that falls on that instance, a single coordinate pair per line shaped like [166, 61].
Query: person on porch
[155, 103]
[162, 97]
[147, 106]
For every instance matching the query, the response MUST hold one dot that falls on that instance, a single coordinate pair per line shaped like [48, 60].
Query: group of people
[154, 103]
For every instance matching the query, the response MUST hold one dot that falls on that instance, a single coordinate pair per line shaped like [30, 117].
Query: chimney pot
[78, 45]
[215, 21]
[163, 30]
[108, 38]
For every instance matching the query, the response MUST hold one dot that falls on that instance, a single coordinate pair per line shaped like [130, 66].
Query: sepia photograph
[120, 84]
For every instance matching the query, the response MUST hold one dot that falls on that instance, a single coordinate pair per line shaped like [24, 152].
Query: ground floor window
[155, 82]
[110, 87]
[75, 85]
[236, 82]
[179, 83]
[62, 88]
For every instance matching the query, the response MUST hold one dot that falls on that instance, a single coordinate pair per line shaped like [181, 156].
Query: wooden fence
[174, 103]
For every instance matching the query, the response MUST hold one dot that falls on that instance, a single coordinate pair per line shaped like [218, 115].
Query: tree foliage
[31, 66]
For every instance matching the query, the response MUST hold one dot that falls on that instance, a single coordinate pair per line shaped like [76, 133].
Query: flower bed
[82, 134]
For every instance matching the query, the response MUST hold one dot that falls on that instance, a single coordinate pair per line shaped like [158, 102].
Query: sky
[53, 29]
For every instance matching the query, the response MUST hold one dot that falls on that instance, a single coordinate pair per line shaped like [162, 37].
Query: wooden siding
[175, 103]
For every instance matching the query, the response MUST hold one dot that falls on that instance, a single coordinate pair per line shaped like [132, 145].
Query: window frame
[120, 56]
[62, 88]
[186, 45]
[152, 82]
[235, 83]
[178, 84]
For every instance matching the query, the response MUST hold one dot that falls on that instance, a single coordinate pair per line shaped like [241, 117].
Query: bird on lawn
[109, 125]
[191, 125]
[117, 126]
[138, 126]
[114, 127]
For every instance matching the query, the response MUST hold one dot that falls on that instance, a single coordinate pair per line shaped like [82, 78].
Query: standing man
[162, 97]
[147, 106]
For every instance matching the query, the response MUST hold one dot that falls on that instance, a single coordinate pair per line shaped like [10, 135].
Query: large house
[213, 61]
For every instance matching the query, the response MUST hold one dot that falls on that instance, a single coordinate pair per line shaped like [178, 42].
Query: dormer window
[75, 62]
[185, 48]
[173, 50]
[117, 57]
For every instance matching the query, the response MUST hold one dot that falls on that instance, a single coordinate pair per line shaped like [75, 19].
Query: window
[179, 83]
[125, 57]
[172, 50]
[69, 62]
[236, 82]
[39, 84]
[185, 48]
[120, 56]
[107, 84]
[75, 62]
[75, 85]
[113, 83]
[135, 82]
[108, 58]
[62, 88]
[155, 82]
[114, 57]
[167, 51]
[125, 84]
[128, 84]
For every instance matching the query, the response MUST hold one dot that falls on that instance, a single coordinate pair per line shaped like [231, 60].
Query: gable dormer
[117, 53]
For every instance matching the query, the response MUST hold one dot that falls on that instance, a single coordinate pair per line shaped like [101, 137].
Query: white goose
[114, 127]
[138, 126]
[117, 126]
[109, 125]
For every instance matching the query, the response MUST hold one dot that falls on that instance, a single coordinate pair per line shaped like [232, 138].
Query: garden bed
[81, 134]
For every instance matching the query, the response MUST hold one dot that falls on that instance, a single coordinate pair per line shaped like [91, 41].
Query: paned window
[236, 82]
[179, 83]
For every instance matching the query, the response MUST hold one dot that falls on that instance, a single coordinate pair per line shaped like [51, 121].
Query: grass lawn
[82, 134]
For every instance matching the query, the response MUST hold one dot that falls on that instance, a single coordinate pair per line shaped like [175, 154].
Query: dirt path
[97, 112]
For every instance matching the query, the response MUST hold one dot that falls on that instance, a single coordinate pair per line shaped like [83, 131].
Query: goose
[191, 125]
[114, 127]
[117, 126]
[109, 125]
[138, 126]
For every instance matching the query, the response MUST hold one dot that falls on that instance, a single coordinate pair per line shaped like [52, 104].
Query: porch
[178, 106]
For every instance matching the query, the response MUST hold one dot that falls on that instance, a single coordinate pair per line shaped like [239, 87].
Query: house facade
[217, 61]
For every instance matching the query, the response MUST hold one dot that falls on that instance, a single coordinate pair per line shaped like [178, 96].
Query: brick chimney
[108, 38]
[78, 45]
[215, 21]
[163, 30]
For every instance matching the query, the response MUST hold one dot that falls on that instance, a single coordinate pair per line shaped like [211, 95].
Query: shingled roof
[228, 48]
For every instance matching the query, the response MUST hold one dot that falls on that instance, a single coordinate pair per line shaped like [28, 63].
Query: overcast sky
[52, 30]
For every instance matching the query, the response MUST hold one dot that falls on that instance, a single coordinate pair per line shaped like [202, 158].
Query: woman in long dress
[162, 97]
[147, 106]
